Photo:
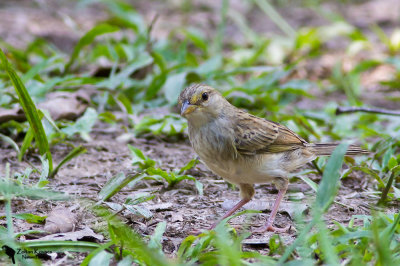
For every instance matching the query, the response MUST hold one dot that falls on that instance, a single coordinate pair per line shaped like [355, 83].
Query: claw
[213, 226]
[271, 228]
[195, 232]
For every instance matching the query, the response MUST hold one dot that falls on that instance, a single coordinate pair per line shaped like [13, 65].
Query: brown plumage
[245, 149]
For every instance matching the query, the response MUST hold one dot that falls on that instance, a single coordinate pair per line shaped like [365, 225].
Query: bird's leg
[246, 192]
[230, 212]
[269, 225]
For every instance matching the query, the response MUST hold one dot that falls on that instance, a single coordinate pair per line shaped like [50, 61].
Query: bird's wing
[254, 135]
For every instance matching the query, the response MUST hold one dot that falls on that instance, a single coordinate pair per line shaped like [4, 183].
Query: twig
[150, 42]
[343, 110]
[153, 21]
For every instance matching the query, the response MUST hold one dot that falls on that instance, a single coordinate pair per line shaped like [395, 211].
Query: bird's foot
[212, 227]
[271, 228]
[195, 232]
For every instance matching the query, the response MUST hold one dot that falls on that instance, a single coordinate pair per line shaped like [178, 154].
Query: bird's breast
[213, 141]
[215, 146]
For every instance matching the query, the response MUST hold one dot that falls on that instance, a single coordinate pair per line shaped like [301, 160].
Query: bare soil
[181, 207]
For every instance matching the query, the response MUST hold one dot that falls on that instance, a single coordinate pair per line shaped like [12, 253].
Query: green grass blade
[10, 141]
[381, 245]
[127, 239]
[275, 17]
[58, 246]
[218, 43]
[199, 187]
[309, 182]
[393, 176]
[299, 240]
[115, 184]
[26, 143]
[83, 125]
[329, 183]
[156, 238]
[325, 195]
[74, 153]
[87, 39]
[29, 109]
[30, 218]
[101, 248]
[9, 189]
[127, 242]
[325, 243]
[192, 163]
[396, 222]
[10, 226]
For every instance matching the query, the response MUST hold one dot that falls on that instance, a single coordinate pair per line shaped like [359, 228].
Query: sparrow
[245, 149]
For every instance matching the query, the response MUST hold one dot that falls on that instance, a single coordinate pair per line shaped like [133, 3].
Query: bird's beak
[187, 108]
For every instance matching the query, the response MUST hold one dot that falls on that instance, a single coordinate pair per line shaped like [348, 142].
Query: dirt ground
[182, 207]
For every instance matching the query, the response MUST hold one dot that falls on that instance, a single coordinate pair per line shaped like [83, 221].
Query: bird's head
[201, 103]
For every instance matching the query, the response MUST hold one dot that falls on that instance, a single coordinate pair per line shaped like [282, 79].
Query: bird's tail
[322, 149]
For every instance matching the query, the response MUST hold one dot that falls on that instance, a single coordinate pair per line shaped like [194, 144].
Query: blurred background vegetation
[76, 66]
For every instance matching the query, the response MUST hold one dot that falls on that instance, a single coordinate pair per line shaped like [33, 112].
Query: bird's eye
[204, 96]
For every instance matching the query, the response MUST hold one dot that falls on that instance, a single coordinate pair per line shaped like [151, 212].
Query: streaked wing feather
[288, 137]
[256, 135]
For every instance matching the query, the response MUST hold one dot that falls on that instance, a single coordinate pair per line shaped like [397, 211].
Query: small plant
[146, 169]
[29, 109]
[11, 190]
[125, 245]
[172, 178]
[175, 176]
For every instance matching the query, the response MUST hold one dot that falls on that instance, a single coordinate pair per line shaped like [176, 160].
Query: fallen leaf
[61, 105]
[86, 234]
[291, 208]
[176, 217]
[256, 242]
[11, 114]
[160, 207]
[60, 220]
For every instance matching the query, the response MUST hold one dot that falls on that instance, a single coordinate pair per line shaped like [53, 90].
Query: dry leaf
[291, 208]
[11, 114]
[159, 207]
[86, 234]
[60, 105]
[60, 220]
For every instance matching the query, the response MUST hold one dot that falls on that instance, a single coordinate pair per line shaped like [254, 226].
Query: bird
[245, 149]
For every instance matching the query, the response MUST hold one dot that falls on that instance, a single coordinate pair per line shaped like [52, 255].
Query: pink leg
[229, 213]
[269, 225]
[246, 193]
